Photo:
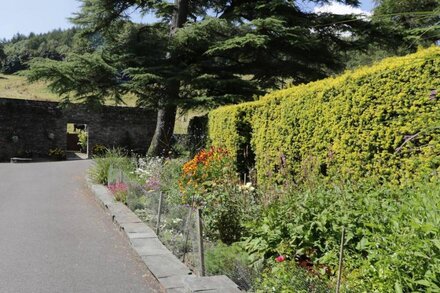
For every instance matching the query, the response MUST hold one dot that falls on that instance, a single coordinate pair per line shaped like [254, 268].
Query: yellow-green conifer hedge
[230, 127]
[352, 125]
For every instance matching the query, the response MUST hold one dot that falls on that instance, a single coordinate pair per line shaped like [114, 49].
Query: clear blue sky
[39, 16]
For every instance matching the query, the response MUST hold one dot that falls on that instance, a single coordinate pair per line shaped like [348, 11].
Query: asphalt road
[55, 238]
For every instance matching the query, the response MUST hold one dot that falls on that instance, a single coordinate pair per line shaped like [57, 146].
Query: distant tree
[200, 52]
[17, 38]
[21, 49]
[2, 55]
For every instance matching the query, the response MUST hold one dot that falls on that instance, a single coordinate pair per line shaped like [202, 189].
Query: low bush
[114, 158]
[288, 277]
[57, 154]
[169, 180]
[391, 234]
[82, 140]
[209, 181]
[203, 173]
[148, 172]
[232, 261]
[119, 191]
[99, 150]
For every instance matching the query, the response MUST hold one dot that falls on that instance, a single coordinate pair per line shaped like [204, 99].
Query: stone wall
[34, 127]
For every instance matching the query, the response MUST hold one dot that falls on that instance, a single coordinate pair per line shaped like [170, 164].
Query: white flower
[246, 188]
[148, 167]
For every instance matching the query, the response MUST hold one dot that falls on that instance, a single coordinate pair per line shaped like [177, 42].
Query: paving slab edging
[170, 272]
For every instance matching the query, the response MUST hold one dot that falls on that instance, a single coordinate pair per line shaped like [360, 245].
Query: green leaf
[425, 283]
[398, 287]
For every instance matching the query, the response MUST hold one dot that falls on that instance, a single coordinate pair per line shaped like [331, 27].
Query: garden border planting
[171, 273]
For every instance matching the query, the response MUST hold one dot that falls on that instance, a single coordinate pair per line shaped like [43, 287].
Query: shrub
[148, 171]
[224, 213]
[206, 170]
[57, 154]
[209, 182]
[391, 234]
[114, 158]
[288, 277]
[82, 140]
[169, 178]
[231, 261]
[99, 150]
[352, 125]
[119, 191]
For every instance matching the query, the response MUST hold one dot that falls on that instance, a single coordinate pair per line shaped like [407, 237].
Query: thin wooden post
[159, 212]
[200, 236]
[187, 227]
[341, 256]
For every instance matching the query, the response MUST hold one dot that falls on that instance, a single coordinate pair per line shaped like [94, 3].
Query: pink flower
[118, 187]
[280, 258]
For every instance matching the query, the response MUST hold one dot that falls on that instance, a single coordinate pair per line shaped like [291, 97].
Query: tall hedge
[231, 127]
[354, 125]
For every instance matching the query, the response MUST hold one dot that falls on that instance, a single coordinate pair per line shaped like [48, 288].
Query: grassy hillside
[16, 87]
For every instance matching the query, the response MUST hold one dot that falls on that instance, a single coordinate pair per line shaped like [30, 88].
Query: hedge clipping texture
[376, 121]
[231, 127]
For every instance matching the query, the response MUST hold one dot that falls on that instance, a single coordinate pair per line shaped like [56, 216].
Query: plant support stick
[341, 255]
[200, 236]
[159, 212]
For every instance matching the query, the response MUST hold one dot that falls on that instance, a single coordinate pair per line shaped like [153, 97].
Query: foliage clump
[209, 181]
[57, 154]
[201, 174]
[391, 238]
[99, 173]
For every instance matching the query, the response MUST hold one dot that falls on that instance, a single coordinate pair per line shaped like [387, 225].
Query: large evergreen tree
[416, 22]
[200, 52]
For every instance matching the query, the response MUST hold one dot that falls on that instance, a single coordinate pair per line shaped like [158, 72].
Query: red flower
[280, 258]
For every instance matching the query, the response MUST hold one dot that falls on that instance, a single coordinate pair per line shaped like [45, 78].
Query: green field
[16, 87]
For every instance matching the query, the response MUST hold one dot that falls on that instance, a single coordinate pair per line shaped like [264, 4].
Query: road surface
[55, 238]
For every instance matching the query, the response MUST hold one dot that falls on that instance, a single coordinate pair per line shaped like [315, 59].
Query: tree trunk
[166, 115]
[163, 134]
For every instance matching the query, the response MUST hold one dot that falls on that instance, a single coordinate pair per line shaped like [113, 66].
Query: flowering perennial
[118, 187]
[280, 258]
[206, 170]
[148, 171]
[119, 191]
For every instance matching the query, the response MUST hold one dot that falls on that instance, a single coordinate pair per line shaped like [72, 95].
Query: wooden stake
[159, 212]
[341, 255]
[186, 230]
[200, 236]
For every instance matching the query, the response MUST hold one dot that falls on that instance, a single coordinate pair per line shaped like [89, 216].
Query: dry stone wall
[34, 127]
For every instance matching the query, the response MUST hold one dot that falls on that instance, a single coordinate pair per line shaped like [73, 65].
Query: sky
[26, 16]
